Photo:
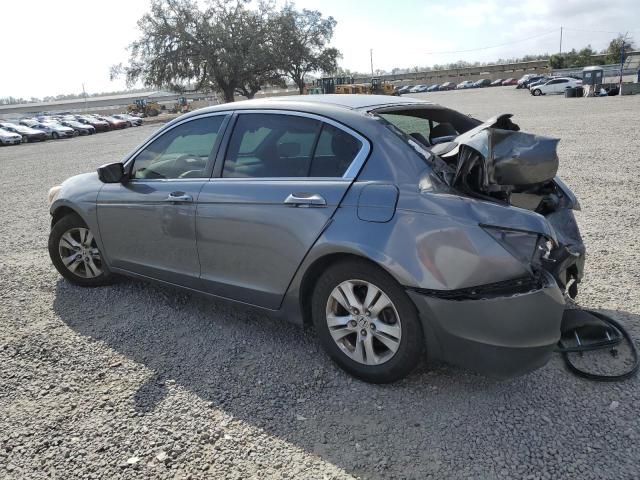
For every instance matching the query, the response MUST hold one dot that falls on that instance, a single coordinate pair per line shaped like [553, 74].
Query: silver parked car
[52, 129]
[8, 137]
[386, 222]
[131, 120]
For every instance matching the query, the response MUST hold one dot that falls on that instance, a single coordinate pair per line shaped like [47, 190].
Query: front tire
[25, 139]
[537, 92]
[55, 136]
[75, 254]
[366, 322]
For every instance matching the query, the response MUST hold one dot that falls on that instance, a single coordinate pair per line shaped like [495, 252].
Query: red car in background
[114, 123]
[510, 81]
[99, 125]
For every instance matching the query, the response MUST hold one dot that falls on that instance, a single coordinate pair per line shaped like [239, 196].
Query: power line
[533, 37]
[490, 46]
[598, 31]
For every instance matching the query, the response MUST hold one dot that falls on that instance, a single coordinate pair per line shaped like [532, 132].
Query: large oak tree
[225, 47]
[301, 41]
[228, 46]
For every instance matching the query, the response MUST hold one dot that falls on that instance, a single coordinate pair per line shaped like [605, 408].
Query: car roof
[340, 102]
[350, 101]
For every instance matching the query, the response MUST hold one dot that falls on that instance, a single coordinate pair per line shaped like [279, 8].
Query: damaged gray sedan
[394, 226]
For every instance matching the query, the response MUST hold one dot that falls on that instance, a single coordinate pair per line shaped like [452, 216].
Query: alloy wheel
[363, 322]
[79, 253]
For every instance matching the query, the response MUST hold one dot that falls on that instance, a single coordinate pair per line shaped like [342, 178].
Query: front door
[147, 223]
[282, 179]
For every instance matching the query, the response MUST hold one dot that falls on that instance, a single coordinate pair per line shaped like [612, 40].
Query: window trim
[350, 174]
[211, 161]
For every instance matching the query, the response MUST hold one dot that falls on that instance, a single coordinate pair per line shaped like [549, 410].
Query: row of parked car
[547, 85]
[439, 87]
[45, 127]
[536, 83]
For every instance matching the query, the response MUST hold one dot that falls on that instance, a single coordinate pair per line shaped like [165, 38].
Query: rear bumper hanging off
[500, 335]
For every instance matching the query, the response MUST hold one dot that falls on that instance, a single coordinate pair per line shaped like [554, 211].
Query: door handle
[180, 197]
[305, 200]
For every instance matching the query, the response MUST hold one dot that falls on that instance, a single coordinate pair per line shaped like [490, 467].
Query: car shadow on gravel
[274, 376]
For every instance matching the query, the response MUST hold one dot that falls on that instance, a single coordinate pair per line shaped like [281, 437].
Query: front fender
[80, 194]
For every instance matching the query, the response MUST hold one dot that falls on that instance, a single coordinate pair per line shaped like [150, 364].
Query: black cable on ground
[619, 333]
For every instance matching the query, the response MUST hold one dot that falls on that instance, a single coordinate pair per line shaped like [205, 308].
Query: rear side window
[274, 145]
[335, 152]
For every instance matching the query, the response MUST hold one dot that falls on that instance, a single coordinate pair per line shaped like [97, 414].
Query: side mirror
[111, 173]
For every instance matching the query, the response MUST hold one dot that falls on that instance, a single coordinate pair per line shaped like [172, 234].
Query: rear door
[274, 190]
[560, 85]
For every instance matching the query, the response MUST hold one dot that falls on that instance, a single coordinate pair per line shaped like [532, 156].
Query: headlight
[53, 193]
[528, 247]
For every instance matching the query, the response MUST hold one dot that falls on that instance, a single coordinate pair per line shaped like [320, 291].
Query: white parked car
[9, 138]
[465, 84]
[132, 120]
[555, 85]
[418, 89]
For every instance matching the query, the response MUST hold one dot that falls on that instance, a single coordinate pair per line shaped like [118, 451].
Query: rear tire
[374, 343]
[75, 254]
[25, 139]
[55, 135]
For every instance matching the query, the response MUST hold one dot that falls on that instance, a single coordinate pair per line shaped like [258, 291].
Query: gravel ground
[138, 381]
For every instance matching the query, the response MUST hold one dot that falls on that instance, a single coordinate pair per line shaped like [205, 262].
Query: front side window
[182, 152]
[272, 145]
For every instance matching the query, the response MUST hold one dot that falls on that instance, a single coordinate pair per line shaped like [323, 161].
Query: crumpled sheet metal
[510, 157]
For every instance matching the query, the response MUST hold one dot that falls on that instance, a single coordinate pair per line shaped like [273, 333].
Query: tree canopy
[301, 39]
[615, 46]
[228, 46]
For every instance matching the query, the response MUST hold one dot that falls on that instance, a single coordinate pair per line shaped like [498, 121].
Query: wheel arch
[315, 269]
[62, 211]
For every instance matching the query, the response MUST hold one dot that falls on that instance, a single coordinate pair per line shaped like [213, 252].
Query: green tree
[300, 40]
[226, 47]
[556, 61]
[615, 45]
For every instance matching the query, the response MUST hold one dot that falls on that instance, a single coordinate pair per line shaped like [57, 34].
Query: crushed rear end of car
[507, 186]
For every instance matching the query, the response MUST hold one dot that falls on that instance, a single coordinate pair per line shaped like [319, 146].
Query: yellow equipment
[345, 85]
[182, 106]
[380, 87]
[144, 108]
[331, 85]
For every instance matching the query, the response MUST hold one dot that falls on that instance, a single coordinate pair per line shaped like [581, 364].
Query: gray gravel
[137, 381]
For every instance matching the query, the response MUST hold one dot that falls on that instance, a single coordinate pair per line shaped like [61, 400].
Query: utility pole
[371, 57]
[84, 94]
[622, 45]
[560, 39]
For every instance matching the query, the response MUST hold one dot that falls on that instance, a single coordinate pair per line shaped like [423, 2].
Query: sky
[56, 47]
